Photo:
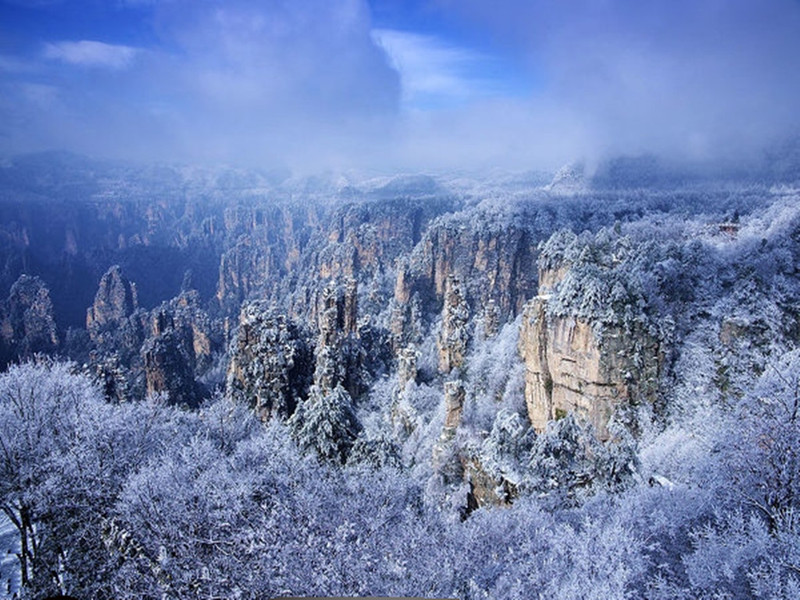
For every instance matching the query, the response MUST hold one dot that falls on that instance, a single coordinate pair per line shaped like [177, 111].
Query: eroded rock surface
[27, 322]
[116, 299]
[270, 362]
[573, 366]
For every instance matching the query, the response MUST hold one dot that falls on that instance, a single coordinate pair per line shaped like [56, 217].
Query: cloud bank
[693, 78]
[317, 84]
[246, 82]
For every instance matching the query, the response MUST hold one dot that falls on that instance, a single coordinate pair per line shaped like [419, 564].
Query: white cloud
[89, 53]
[435, 73]
[688, 78]
[244, 81]
[312, 84]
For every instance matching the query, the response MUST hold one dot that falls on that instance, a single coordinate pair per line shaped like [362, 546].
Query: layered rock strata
[573, 366]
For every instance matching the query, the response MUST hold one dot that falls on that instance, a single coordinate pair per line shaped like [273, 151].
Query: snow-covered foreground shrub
[142, 500]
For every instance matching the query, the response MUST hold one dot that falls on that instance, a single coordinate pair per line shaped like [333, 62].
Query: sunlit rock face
[573, 366]
[116, 300]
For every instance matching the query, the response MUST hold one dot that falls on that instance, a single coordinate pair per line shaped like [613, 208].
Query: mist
[337, 85]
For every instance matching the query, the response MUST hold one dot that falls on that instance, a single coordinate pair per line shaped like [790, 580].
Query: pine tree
[326, 424]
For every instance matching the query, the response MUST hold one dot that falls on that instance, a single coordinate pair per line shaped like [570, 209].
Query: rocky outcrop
[491, 319]
[115, 301]
[117, 326]
[164, 351]
[28, 325]
[407, 321]
[200, 337]
[454, 335]
[407, 366]
[168, 370]
[266, 243]
[243, 268]
[493, 256]
[446, 459]
[338, 353]
[587, 339]
[270, 362]
[180, 347]
[573, 367]
[454, 395]
[485, 490]
[401, 413]
[549, 278]
[290, 254]
[366, 237]
[361, 241]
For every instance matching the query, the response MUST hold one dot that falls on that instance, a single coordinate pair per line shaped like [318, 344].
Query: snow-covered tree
[326, 424]
[761, 452]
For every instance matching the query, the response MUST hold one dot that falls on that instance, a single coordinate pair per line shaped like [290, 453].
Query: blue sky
[422, 84]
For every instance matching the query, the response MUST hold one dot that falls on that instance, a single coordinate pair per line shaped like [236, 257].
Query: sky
[404, 85]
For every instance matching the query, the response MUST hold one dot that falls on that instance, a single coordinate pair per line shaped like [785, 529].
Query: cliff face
[567, 371]
[116, 299]
[270, 362]
[27, 323]
[493, 259]
[364, 238]
[264, 245]
[361, 242]
[573, 366]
